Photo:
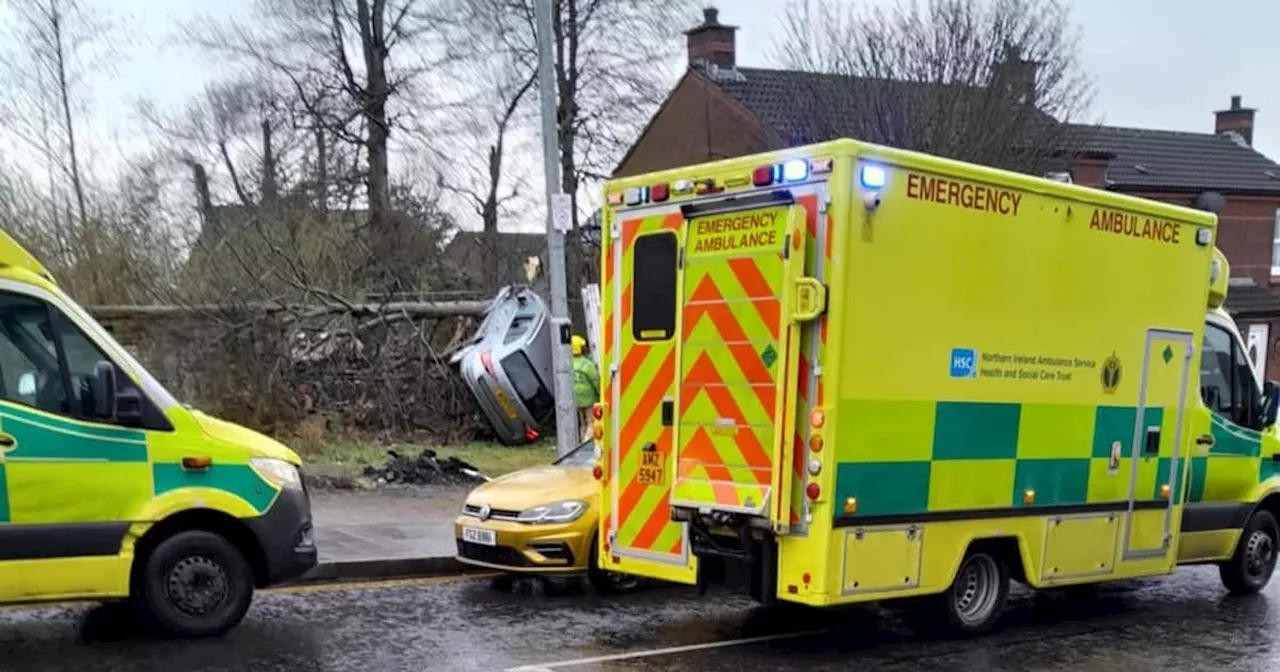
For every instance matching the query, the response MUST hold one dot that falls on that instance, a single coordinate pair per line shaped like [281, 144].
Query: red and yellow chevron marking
[645, 377]
[733, 358]
[808, 357]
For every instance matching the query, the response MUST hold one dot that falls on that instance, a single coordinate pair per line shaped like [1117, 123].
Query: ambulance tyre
[975, 600]
[1249, 570]
[196, 584]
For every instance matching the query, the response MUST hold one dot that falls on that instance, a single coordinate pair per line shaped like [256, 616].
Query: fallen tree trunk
[410, 308]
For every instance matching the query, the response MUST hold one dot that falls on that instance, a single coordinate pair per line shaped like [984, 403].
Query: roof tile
[1141, 158]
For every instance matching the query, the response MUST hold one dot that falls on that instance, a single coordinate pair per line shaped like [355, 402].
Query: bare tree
[350, 62]
[988, 82]
[483, 139]
[50, 37]
[612, 67]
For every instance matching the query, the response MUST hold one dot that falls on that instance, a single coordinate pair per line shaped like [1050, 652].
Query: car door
[73, 481]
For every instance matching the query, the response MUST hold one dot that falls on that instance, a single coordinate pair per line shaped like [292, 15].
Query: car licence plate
[477, 535]
[506, 404]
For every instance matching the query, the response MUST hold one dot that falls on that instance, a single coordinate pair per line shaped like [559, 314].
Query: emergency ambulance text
[963, 194]
[1159, 230]
[736, 232]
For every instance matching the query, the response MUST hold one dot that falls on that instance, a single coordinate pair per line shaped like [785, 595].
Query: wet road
[1185, 622]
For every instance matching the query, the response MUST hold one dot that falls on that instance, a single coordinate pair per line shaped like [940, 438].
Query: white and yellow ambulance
[864, 373]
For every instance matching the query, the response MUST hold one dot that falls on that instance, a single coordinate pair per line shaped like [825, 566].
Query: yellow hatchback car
[539, 521]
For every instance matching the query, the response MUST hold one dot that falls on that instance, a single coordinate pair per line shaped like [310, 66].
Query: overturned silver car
[507, 365]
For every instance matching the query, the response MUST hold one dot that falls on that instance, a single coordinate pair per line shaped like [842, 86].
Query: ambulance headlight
[278, 472]
[873, 177]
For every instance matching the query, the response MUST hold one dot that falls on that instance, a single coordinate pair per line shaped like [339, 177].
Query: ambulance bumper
[285, 534]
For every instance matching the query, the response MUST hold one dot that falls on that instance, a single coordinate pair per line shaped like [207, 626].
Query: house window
[1275, 245]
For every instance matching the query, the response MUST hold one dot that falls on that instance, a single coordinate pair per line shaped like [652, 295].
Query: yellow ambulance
[112, 490]
[854, 373]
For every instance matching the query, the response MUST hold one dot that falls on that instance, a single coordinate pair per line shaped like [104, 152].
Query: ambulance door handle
[810, 299]
[1153, 441]
[1205, 440]
[7, 442]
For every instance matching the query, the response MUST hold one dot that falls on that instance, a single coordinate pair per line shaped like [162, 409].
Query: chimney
[1016, 76]
[711, 43]
[1236, 119]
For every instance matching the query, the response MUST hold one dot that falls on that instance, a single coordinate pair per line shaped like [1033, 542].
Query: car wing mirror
[1211, 398]
[1270, 403]
[104, 390]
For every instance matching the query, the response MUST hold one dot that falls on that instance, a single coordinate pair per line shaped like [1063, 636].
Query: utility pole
[559, 220]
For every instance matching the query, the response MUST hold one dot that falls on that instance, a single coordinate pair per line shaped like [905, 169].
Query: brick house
[719, 110]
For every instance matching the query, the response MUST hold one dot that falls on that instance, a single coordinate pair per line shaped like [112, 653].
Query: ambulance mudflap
[737, 357]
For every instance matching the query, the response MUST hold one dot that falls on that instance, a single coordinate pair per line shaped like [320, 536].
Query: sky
[1165, 64]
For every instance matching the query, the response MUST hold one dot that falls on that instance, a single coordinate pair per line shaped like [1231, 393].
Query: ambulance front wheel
[975, 600]
[196, 584]
[1249, 570]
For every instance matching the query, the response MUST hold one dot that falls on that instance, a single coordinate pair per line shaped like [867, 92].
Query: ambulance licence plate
[477, 535]
[652, 471]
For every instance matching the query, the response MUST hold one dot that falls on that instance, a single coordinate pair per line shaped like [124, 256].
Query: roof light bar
[795, 170]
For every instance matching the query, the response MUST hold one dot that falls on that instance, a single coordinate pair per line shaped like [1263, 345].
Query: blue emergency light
[795, 170]
[873, 177]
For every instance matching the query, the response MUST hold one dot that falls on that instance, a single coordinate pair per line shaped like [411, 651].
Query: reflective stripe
[41, 437]
[238, 479]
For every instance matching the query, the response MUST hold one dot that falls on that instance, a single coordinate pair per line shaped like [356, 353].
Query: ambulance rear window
[653, 297]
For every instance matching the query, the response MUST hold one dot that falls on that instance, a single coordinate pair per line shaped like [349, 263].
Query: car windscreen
[582, 456]
[536, 397]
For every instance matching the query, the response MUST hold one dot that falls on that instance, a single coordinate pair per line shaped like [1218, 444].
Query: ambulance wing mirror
[104, 390]
[1270, 403]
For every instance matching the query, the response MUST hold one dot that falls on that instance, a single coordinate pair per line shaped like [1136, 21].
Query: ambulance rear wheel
[196, 584]
[975, 600]
[1250, 569]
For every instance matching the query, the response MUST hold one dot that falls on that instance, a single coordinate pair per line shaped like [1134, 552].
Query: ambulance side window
[46, 362]
[653, 282]
[1226, 379]
[81, 357]
[30, 371]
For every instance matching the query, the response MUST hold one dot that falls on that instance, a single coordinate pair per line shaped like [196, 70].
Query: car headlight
[566, 511]
[278, 472]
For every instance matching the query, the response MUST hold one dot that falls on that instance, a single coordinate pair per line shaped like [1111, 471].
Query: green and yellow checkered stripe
[914, 457]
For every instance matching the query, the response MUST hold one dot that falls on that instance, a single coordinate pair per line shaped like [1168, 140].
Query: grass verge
[337, 462]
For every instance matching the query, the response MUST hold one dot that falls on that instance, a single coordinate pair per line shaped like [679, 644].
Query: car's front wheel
[196, 584]
[606, 582]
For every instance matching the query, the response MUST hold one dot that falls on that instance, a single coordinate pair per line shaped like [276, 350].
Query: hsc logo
[964, 363]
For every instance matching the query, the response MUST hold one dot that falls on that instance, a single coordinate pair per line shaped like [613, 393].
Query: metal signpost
[559, 221]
